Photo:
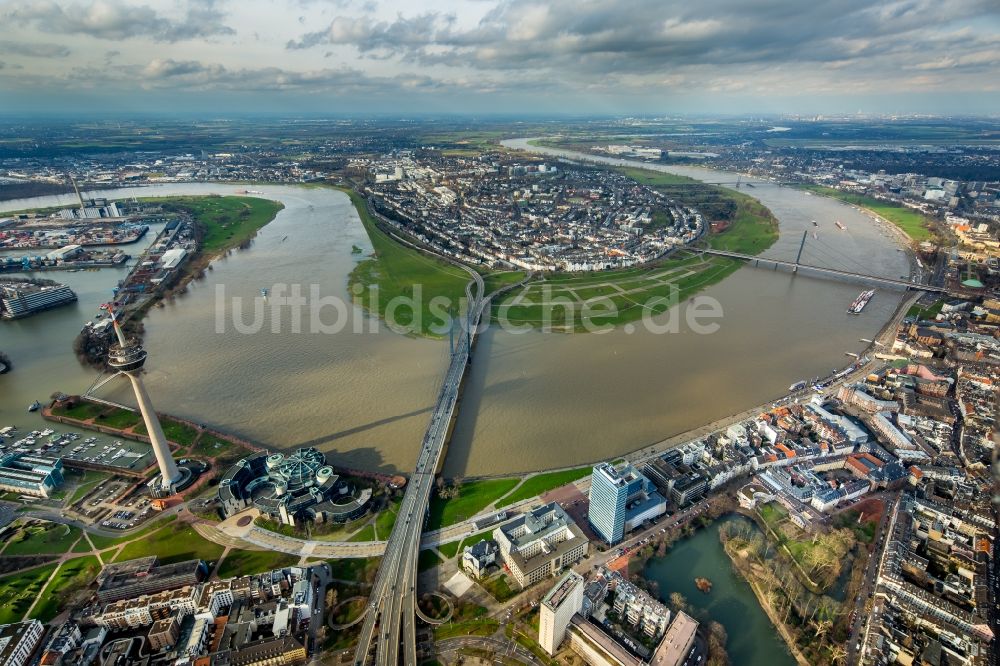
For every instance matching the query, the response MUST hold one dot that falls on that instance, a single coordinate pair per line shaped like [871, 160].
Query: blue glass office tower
[609, 492]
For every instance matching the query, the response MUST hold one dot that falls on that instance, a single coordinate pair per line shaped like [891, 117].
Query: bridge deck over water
[392, 605]
[822, 269]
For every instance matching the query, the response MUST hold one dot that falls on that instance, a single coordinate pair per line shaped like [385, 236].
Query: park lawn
[317, 531]
[399, 271]
[819, 555]
[366, 533]
[104, 542]
[174, 543]
[822, 555]
[485, 626]
[549, 303]
[18, 591]
[113, 417]
[773, 514]
[495, 281]
[72, 576]
[453, 548]
[913, 223]
[386, 519]
[175, 431]
[533, 647]
[82, 411]
[473, 497]
[246, 562]
[661, 219]
[863, 532]
[556, 284]
[618, 309]
[929, 312]
[348, 611]
[499, 588]
[225, 222]
[210, 446]
[450, 549]
[427, 559]
[587, 293]
[476, 538]
[88, 482]
[122, 419]
[542, 483]
[46, 538]
[355, 569]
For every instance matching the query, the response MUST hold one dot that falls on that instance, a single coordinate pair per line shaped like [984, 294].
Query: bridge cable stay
[841, 256]
[863, 272]
[824, 258]
[836, 259]
[860, 275]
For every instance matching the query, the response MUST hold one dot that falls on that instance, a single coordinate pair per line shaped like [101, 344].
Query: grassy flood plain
[395, 270]
[913, 223]
[224, 222]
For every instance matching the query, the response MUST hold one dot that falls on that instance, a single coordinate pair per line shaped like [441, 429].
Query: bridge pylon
[795, 268]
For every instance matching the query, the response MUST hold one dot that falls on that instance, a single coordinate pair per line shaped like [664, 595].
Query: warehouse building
[32, 475]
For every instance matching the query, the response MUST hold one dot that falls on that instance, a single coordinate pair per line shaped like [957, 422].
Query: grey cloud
[35, 49]
[338, 4]
[585, 38]
[162, 69]
[193, 75]
[533, 50]
[183, 77]
[401, 35]
[113, 19]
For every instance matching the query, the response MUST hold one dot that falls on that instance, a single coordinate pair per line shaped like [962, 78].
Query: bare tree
[838, 653]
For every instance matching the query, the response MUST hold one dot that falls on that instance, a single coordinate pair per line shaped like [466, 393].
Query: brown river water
[532, 401]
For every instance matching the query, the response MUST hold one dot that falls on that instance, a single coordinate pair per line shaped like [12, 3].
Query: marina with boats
[92, 452]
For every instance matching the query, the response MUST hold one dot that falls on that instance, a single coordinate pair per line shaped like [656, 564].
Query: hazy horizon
[499, 57]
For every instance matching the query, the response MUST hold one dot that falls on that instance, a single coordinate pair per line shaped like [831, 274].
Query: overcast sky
[506, 56]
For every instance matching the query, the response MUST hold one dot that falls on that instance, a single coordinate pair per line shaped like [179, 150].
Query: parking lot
[115, 503]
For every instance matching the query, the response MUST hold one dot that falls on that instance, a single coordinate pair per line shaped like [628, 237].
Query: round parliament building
[291, 488]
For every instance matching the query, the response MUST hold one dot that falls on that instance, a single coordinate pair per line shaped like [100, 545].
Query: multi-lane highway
[390, 624]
